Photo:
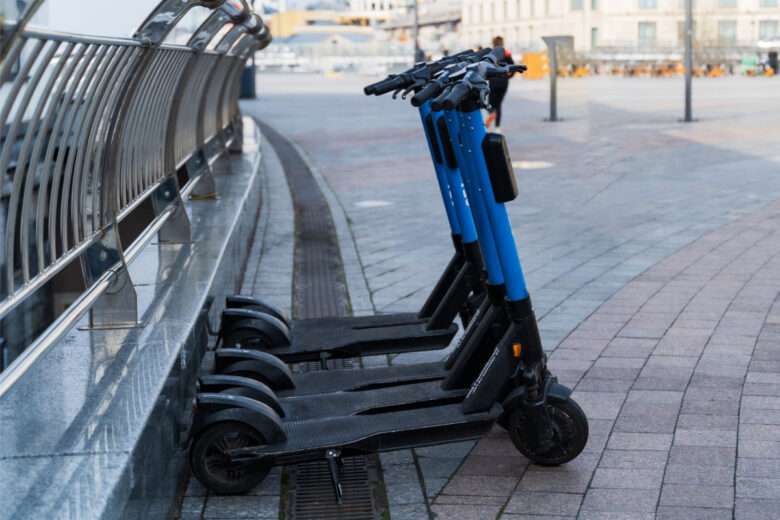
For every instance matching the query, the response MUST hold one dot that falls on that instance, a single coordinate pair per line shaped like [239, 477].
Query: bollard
[552, 43]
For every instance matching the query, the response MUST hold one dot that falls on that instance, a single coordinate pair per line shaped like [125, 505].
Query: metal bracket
[335, 464]
[177, 228]
[117, 307]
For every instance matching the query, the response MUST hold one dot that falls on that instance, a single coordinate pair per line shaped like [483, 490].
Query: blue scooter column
[486, 242]
[441, 176]
[472, 133]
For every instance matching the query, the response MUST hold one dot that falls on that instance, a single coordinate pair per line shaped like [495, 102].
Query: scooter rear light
[517, 349]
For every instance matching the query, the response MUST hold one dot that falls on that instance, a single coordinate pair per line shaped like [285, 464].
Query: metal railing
[90, 128]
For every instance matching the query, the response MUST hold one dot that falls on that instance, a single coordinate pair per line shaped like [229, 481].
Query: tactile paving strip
[319, 290]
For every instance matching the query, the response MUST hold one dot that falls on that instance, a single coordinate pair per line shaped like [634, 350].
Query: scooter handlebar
[454, 97]
[385, 86]
[429, 91]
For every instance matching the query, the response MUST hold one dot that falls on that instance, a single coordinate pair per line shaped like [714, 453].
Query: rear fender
[270, 327]
[250, 302]
[214, 408]
[237, 385]
[230, 361]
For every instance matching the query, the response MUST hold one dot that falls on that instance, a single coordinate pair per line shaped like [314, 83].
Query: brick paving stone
[724, 439]
[758, 467]
[599, 405]
[708, 422]
[693, 513]
[464, 512]
[706, 475]
[627, 478]
[702, 456]
[471, 500]
[480, 485]
[531, 502]
[621, 500]
[555, 481]
[639, 441]
[692, 495]
[756, 509]
[633, 459]
[767, 449]
[758, 487]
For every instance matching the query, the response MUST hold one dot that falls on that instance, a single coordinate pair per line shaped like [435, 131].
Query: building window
[533, 9]
[727, 3]
[506, 9]
[481, 13]
[648, 4]
[546, 6]
[646, 33]
[768, 3]
[594, 37]
[576, 4]
[492, 12]
[693, 4]
[518, 13]
[594, 4]
[767, 29]
[727, 31]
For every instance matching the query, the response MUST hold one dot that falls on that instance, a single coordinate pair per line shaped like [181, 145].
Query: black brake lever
[415, 85]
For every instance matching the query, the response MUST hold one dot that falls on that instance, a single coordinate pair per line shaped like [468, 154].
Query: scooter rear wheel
[570, 432]
[212, 468]
[247, 339]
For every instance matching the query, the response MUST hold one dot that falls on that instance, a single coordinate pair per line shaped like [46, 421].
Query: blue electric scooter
[238, 436]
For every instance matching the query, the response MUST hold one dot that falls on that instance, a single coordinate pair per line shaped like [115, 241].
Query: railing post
[117, 307]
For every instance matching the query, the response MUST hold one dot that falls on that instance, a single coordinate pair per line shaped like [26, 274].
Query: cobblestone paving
[650, 249]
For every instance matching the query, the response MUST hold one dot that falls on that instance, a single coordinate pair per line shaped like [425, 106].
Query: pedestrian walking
[773, 60]
[498, 88]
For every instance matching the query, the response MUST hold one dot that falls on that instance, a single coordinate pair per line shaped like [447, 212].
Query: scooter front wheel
[214, 469]
[569, 432]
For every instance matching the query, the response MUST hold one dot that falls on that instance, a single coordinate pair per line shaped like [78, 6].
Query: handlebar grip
[455, 96]
[498, 54]
[430, 90]
[436, 103]
[385, 86]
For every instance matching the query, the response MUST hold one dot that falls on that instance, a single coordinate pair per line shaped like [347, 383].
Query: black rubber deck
[351, 403]
[345, 337]
[326, 381]
[383, 431]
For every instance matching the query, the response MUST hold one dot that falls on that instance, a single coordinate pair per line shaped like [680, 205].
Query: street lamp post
[688, 58]
[415, 29]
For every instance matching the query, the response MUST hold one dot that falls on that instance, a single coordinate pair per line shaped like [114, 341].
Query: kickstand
[324, 356]
[334, 465]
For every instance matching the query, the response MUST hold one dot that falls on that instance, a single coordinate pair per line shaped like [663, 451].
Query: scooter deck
[371, 433]
[368, 401]
[328, 381]
[352, 336]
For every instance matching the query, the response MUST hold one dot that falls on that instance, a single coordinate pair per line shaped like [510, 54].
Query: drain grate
[312, 496]
[319, 289]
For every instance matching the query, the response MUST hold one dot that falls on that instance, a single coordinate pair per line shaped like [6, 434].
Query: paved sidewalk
[651, 252]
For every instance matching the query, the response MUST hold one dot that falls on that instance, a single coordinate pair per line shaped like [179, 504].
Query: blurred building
[625, 24]
[438, 22]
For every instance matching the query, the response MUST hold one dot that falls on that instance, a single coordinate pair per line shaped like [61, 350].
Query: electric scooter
[237, 438]
[254, 324]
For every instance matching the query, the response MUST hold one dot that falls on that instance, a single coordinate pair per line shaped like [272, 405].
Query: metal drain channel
[319, 290]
